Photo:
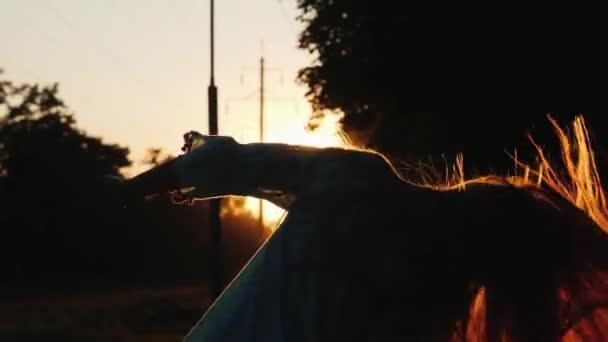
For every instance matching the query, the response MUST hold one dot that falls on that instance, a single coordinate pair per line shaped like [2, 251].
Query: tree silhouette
[39, 138]
[155, 156]
[414, 79]
[54, 196]
[62, 225]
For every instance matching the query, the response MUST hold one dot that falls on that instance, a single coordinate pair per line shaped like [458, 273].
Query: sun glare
[327, 134]
[580, 185]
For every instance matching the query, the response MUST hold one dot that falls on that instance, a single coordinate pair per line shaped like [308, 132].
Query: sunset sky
[135, 72]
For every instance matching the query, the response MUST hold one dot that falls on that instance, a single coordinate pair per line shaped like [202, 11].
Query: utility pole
[261, 213]
[262, 73]
[215, 222]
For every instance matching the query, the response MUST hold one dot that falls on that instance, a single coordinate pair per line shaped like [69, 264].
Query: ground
[153, 315]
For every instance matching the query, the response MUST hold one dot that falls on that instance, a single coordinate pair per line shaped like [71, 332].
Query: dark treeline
[416, 80]
[62, 226]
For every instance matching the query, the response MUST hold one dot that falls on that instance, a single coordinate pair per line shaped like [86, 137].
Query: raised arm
[219, 166]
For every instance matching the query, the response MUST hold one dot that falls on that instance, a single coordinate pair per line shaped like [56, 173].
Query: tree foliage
[63, 227]
[39, 139]
[155, 157]
[420, 79]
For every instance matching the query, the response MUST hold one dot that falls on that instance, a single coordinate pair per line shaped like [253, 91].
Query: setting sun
[328, 134]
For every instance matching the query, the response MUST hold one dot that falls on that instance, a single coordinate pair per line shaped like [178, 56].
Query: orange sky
[135, 72]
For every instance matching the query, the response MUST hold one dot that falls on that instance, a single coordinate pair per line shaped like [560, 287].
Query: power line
[230, 100]
[80, 40]
[262, 73]
[290, 22]
[63, 19]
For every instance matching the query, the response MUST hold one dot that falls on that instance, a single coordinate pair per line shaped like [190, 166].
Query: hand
[204, 171]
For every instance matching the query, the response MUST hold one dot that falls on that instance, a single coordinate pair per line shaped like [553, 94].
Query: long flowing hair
[576, 179]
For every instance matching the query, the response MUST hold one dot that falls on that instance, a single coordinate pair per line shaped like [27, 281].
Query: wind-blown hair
[526, 253]
[581, 290]
[520, 258]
